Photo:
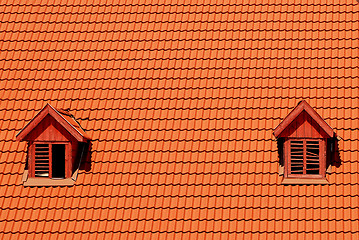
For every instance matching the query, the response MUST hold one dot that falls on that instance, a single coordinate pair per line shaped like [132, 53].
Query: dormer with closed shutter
[56, 146]
[304, 142]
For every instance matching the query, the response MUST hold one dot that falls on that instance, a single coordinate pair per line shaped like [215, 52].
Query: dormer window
[303, 138]
[56, 143]
[305, 158]
[50, 159]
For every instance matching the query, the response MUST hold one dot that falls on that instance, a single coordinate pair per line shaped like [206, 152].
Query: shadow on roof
[336, 159]
[86, 162]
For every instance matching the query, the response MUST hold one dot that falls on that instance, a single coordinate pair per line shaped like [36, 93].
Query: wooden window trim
[309, 181]
[38, 181]
[304, 178]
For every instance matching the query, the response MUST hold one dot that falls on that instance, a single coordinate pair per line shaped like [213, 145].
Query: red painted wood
[304, 127]
[38, 119]
[50, 161]
[49, 126]
[73, 151]
[33, 123]
[303, 107]
[322, 159]
[68, 161]
[31, 158]
[49, 130]
[68, 157]
[286, 152]
[285, 123]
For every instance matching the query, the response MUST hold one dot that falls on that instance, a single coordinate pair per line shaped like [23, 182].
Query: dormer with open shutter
[304, 139]
[56, 146]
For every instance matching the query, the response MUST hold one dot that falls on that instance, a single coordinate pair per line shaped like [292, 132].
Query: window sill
[42, 182]
[293, 181]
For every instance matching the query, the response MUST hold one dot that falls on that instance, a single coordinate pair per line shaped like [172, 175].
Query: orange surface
[180, 99]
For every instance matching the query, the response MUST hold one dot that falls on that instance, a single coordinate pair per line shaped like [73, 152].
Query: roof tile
[181, 101]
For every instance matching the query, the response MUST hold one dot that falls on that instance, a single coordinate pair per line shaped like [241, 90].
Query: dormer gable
[302, 122]
[48, 122]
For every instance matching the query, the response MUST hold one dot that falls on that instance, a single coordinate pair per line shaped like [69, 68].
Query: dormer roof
[303, 106]
[61, 116]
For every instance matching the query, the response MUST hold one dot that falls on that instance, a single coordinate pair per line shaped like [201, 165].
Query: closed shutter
[304, 157]
[297, 157]
[312, 157]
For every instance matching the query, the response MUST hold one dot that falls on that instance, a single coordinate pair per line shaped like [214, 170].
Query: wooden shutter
[312, 157]
[305, 157]
[42, 160]
[297, 157]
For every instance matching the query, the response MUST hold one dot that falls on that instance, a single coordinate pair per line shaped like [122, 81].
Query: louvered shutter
[312, 157]
[305, 157]
[42, 160]
[297, 157]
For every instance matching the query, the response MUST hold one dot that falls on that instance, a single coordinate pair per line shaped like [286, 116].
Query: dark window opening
[42, 156]
[58, 161]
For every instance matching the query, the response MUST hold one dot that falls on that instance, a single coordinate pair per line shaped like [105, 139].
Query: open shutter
[42, 160]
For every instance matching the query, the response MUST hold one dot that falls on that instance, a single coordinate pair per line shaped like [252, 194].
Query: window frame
[322, 159]
[31, 165]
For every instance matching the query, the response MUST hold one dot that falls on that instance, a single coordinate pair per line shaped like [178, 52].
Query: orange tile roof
[180, 100]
